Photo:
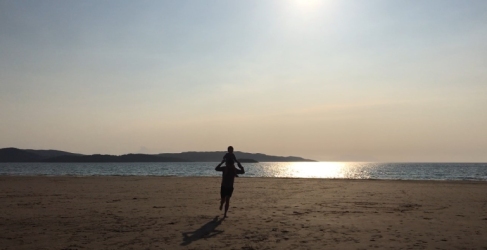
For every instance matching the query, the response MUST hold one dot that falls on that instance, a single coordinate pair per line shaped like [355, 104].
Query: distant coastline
[31, 155]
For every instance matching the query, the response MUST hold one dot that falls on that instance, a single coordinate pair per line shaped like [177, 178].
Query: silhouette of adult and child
[229, 172]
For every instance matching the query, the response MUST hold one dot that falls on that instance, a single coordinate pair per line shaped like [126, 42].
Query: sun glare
[306, 12]
[317, 169]
[309, 3]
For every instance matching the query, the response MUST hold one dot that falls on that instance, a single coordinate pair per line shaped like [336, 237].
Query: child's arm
[235, 159]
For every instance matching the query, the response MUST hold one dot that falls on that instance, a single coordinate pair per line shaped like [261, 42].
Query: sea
[325, 170]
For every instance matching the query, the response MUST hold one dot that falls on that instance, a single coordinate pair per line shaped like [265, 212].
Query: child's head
[230, 149]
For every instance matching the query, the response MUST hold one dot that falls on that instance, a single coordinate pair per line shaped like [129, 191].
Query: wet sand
[265, 213]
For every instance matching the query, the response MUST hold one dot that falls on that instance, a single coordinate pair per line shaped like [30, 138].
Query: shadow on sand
[206, 231]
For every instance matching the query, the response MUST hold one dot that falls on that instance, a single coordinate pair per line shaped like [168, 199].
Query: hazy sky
[331, 80]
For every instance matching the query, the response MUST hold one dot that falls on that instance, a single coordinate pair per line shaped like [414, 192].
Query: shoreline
[169, 212]
[244, 177]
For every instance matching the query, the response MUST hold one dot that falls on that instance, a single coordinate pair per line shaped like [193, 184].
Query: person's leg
[222, 195]
[228, 195]
[221, 203]
[227, 204]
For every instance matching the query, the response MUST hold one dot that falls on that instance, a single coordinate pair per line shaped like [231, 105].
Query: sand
[265, 213]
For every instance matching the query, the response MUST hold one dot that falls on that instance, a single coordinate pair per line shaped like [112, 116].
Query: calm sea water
[336, 170]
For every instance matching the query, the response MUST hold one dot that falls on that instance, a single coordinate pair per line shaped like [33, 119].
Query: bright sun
[309, 3]
[310, 6]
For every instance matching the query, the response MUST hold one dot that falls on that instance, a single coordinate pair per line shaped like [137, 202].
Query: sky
[330, 80]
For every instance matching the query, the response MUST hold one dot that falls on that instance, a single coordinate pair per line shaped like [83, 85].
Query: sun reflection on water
[315, 170]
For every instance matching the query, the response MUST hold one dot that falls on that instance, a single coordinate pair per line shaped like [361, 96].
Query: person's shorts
[225, 191]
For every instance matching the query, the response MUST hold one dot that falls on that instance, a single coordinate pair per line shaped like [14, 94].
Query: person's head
[230, 149]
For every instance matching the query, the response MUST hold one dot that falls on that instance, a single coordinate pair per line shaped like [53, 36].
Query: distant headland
[31, 155]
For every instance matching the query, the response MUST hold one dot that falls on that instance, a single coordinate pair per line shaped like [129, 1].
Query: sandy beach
[265, 213]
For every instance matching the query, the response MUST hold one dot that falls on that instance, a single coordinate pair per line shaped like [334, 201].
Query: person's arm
[240, 166]
[241, 170]
[219, 168]
[235, 159]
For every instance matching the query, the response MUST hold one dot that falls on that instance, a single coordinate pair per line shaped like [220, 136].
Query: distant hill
[50, 153]
[30, 155]
[18, 155]
[247, 161]
[218, 155]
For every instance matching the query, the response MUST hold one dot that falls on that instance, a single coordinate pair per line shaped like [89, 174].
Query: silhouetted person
[230, 158]
[228, 177]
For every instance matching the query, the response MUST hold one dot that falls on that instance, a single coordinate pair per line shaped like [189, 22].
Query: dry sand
[265, 213]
